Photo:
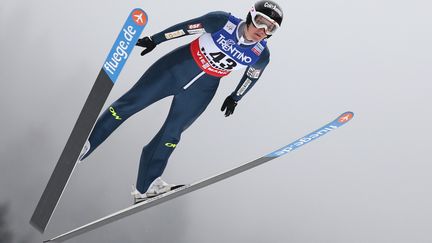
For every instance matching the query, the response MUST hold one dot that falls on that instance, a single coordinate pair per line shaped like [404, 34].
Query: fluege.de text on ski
[120, 52]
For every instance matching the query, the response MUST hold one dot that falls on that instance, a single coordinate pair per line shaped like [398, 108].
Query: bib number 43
[222, 60]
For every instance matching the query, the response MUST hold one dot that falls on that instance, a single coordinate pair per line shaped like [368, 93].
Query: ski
[108, 75]
[341, 120]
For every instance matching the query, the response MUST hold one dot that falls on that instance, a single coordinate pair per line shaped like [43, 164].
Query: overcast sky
[366, 182]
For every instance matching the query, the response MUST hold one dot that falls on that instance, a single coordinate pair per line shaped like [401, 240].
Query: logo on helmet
[274, 7]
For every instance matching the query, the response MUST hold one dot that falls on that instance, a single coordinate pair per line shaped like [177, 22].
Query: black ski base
[69, 156]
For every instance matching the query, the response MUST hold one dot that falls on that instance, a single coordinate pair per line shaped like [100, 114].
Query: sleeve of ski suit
[209, 23]
[251, 75]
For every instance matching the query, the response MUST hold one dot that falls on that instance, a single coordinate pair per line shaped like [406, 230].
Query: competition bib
[219, 53]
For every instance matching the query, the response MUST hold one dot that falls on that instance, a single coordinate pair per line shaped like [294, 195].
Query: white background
[366, 182]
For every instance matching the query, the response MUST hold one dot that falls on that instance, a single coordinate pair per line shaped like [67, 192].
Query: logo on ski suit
[114, 113]
[227, 44]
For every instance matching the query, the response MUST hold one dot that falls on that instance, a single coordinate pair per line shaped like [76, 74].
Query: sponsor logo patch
[196, 31]
[258, 48]
[114, 113]
[171, 145]
[244, 87]
[229, 27]
[253, 73]
[174, 34]
[195, 26]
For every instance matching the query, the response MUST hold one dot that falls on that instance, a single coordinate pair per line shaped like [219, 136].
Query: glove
[147, 43]
[229, 104]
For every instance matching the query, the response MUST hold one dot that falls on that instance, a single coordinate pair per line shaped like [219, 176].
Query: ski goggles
[263, 21]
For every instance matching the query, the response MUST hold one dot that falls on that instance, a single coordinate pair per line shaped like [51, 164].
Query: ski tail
[108, 75]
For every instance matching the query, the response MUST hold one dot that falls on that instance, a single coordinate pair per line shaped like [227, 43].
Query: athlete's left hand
[229, 105]
[147, 43]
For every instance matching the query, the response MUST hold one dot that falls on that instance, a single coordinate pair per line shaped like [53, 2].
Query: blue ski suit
[191, 74]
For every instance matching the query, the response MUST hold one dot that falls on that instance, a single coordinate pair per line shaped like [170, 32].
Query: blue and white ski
[338, 122]
[108, 75]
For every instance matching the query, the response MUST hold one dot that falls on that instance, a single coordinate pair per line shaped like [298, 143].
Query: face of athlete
[255, 34]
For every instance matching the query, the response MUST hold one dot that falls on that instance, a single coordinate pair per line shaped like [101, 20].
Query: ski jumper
[191, 74]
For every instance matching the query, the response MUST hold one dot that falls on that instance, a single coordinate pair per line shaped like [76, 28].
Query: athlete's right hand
[147, 43]
[229, 105]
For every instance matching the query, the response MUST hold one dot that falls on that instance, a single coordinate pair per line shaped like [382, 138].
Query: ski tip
[345, 117]
[139, 16]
